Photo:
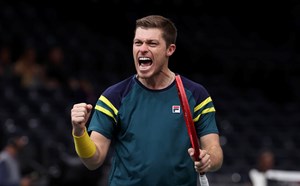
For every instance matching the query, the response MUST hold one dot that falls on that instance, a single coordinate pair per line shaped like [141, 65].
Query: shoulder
[3, 156]
[120, 87]
[115, 93]
[195, 88]
[188, 83]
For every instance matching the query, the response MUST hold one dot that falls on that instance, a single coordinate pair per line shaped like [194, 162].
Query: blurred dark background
[246, 53]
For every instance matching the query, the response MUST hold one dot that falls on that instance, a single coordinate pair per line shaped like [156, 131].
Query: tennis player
[142, 118]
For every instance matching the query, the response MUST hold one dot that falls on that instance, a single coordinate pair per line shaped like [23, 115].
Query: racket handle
[202, 176]
[203, 180]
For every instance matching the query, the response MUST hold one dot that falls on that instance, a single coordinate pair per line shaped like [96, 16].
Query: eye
[153, 44]
[138, 43]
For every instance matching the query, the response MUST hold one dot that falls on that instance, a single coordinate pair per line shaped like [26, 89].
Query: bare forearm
[216, 156]
[211, 144]
[93, 162]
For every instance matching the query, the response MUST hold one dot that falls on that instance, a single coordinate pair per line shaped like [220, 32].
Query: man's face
[21, 142]
[150, 52]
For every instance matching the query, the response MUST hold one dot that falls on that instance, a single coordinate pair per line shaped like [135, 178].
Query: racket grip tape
[203, 180]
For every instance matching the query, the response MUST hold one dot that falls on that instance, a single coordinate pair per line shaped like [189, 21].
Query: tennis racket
[190, 126]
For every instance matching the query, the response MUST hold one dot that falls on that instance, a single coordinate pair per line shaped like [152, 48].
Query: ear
[171, 49]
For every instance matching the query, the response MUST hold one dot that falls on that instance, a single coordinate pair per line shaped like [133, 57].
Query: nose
[144, 47]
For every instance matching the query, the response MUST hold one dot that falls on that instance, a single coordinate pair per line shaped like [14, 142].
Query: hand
[80, 114]
[204, 164]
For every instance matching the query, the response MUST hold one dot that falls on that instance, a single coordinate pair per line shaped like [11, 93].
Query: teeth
[144, 58]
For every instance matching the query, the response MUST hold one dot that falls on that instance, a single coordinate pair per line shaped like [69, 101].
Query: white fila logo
[176, 109]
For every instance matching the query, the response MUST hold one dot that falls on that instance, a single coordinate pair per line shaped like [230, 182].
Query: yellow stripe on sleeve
[105, 111]
[211, 109]
[206, 101]
[109, 104]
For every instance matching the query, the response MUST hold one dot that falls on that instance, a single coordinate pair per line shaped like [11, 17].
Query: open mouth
[145, 61]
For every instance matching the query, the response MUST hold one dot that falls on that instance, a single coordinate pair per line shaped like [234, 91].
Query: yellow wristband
[84, 146]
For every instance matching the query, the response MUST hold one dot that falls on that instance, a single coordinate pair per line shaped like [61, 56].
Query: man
[10, 171]
[140, 116]
[265, 162]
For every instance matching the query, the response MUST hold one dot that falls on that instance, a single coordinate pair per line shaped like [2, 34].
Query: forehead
[148, 34]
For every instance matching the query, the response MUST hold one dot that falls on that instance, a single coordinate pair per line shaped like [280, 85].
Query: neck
[160, 81]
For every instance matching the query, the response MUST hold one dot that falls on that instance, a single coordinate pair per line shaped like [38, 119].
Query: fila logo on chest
[176, 109]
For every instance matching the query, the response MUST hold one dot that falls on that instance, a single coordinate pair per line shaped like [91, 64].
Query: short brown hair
[156, 21]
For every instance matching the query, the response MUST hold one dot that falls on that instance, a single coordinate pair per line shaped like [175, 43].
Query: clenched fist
[80, 114]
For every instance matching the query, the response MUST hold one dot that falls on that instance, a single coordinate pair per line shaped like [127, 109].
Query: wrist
[77, 132]
[84, 146]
